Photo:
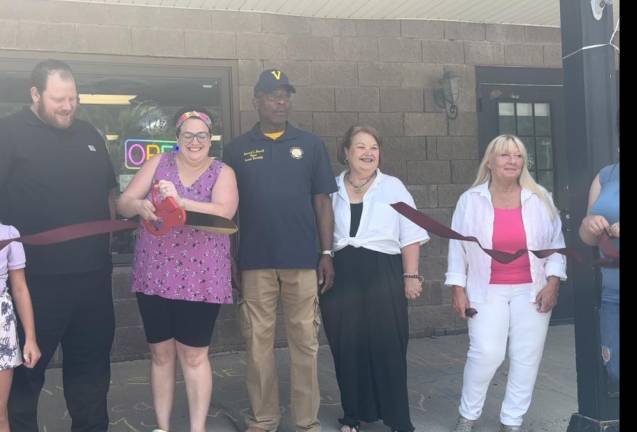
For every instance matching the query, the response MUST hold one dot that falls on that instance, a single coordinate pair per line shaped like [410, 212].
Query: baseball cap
[271, 80]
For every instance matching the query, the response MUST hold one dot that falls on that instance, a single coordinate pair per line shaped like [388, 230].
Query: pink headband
[194, 114]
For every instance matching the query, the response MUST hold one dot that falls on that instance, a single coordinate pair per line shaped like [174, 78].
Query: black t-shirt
[277, 180]
[53, 177]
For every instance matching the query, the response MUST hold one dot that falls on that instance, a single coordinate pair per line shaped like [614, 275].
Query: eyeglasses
[276, 97]
[202, 137]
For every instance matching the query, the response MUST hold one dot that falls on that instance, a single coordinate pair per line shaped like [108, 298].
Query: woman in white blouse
[505, 210]
[376, 272]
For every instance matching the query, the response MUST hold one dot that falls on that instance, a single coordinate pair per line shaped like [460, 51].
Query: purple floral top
[185, 264]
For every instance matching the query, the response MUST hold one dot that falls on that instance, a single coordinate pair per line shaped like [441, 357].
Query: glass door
[528, 103]
[132, 107]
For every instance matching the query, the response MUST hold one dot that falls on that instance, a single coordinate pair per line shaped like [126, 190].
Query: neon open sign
[138, 151]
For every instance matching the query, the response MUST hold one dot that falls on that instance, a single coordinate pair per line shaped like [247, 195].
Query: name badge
[253, 155]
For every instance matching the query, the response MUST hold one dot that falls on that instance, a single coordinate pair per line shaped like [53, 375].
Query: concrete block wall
[382, 73]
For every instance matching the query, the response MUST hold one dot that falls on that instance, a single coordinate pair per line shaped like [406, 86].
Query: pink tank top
[509, 236]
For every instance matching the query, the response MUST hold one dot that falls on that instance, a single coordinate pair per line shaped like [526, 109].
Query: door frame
[514, 76]
[526, 79]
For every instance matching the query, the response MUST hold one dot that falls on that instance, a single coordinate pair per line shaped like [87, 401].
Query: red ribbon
[170, 214]
[610, 252]
[72, 232]
[440, 230]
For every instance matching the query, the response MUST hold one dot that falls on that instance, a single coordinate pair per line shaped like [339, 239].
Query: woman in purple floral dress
[182, 278]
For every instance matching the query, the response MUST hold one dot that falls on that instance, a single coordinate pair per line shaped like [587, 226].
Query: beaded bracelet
[421, 278]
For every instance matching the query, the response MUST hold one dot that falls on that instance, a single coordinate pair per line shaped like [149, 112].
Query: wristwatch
[328, 252]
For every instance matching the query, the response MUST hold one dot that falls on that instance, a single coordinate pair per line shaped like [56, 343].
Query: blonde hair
[502, 144]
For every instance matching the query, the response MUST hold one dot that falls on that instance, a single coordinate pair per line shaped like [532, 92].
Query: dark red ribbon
[72, 232]
[440, 230]
[200, 221]
[172, 216]
[610, 253]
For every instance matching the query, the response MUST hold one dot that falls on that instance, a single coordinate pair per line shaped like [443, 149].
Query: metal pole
[591, 108]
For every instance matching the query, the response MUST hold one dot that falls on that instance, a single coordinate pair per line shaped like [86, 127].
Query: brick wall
[381, 73]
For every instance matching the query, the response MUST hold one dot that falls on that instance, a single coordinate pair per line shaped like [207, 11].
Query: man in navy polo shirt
[55, 171]
[286, 228]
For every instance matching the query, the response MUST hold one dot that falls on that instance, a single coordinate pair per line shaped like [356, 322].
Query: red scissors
[169, 213]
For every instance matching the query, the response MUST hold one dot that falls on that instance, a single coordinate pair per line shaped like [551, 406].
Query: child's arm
[22, 300]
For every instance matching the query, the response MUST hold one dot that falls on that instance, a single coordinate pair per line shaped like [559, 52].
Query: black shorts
[188, 322]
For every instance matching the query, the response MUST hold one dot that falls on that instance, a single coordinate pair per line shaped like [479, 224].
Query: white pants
[507, 314]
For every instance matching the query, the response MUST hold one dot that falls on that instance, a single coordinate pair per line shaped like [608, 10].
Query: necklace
[360, 187]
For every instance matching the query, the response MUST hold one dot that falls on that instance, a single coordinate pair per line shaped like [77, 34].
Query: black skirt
[366, 323]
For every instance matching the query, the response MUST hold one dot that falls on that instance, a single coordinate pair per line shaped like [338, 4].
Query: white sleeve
[409, 232]
[555, 264]
[457, 256]
[15, 256]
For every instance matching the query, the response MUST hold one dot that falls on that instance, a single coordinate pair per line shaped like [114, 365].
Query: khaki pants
[297, 289]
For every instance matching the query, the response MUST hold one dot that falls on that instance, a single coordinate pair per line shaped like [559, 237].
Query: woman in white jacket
[365, 313]
[505, 210]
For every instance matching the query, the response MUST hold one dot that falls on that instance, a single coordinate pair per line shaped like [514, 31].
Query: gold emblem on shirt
[253, 155]
[296, 152]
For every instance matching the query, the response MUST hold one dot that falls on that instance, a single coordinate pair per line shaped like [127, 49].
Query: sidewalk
[435, 368]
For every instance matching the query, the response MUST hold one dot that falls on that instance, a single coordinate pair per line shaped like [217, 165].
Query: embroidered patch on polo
[296, 152]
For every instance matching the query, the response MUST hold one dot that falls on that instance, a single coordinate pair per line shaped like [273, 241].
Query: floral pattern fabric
[185, 264]
[11, 258]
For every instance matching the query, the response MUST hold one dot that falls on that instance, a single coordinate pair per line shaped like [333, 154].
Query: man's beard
[50, 119]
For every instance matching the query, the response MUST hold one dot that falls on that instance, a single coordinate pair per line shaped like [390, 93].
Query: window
[132, 106]
[532, 123]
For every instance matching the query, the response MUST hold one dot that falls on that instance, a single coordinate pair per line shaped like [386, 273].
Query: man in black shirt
[55, 171]
[286, 222]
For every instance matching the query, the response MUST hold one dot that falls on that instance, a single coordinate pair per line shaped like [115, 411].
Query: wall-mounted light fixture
[447, 95]
[598, 7]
